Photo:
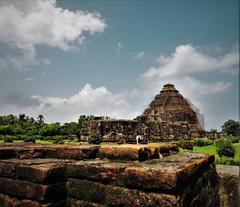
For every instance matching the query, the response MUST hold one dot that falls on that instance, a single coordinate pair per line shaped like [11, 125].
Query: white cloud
[139, 55]
[187, 60]
[119, 47]
[89, 100]
[180, 68]
[26, 24]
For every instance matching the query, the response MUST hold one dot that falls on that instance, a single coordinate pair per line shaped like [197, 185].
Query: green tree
[232, 127]
[51, 129]
[71, 128]
[21, 119]
[40, 119]
[6, 130]
[213, 130]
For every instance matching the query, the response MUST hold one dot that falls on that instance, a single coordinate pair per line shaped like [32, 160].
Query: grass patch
[211, 149]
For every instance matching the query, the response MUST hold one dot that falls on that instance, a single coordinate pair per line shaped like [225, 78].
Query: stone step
[117, 196]
[136, 152]
[7, 201]
[32, 191]
[30, 151]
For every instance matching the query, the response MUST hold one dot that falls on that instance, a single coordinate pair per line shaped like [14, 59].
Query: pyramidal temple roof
[171, 107]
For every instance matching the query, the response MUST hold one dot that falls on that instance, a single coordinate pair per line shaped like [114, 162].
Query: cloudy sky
[66, 58]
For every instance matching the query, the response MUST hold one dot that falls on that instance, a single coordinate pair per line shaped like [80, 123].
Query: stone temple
[169, 116]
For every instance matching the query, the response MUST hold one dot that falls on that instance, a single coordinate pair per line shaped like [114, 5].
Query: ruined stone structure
[169, 117]
[110, 130]
[215, 134]
[33, 175]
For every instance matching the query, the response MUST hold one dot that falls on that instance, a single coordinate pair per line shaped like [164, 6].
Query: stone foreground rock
[229, 179]
[110, 175]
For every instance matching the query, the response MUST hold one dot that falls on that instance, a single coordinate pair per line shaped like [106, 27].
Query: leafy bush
[227, 161]
[200, 142]
[29, 139]
[224, 147]
[38, 137]
[58, 139]
[1, 137]
[235, 139]
[95, 138]
[6, 129]
[185, 144]
[8, 138]
[22, 137]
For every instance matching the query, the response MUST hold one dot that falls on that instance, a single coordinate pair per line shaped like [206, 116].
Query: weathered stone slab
[7, 170]
[166, 174]
[79, 203]
[229, 177]
[42, 173]
[98, 170]
[162, 150]
[73, 152]
[117, 196]
[136, 152]
[125, 152]
[32, 191]
[134, 198]
[202, 189]
[45, 171]
[29, 151]
[86, 190]
[7, 152]
[170, 173]
[7, 201]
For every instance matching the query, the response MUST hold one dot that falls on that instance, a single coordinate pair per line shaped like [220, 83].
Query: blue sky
[66, 58]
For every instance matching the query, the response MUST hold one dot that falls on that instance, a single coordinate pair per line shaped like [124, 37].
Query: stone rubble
[107, 175]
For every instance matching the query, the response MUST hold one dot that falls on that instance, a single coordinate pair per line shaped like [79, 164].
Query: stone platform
[108, 175]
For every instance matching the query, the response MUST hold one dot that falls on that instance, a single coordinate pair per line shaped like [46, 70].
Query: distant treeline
[23, 127]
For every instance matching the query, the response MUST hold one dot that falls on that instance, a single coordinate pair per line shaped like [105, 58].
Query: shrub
[185, 144]
[227, 161]
[8, 138]
[17, 137]
[39, 137]
[58, 139]
[224, 147]
[6, 129]
[1, 137]
[22, 137]
[94, 138]
[200, 142]
[235, 139]
[29, 139]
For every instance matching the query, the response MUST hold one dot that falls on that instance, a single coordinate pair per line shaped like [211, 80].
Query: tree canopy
[232, 127]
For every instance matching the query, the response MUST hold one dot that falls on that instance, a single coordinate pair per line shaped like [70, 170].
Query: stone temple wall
[127, 130]
[33, 175]
[168, 117]
[110, 130]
